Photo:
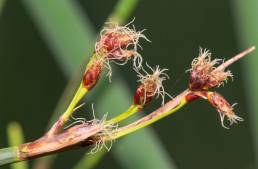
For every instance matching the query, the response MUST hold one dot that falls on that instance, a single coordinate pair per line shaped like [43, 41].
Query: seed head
[223, 107]
[151, 85]
[203, 74]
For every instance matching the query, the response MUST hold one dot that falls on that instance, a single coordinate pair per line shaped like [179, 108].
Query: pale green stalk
[15, 138]
[2, 2]
[8, 155]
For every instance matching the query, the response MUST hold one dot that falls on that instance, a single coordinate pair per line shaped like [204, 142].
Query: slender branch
[80, 93]
[9, 155]
[169, 108]
[235, 58]
[131, 110]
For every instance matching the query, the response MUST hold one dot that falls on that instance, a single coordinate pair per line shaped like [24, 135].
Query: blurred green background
[43, 44]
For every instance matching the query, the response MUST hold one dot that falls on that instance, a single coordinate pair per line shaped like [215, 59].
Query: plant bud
[151, 86]
[145, 93]
[92, 74]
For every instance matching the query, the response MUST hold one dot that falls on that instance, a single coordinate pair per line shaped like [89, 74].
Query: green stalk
[15, 138]
[2, 2]
[8, 155]
[129, 112]
[143, 123]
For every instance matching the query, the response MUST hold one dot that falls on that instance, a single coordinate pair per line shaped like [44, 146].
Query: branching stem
[80, 93]
[169, 108]
[235, 58]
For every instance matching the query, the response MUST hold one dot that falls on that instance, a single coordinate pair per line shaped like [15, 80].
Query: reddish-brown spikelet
[223, 107]
[92, 74]
[119, 43]
[203, 74]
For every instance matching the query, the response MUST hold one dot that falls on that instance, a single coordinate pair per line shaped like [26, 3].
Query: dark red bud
[191, 97]
[91, 76]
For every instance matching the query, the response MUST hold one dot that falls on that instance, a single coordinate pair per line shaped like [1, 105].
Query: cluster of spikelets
[119, 44]
[204, 76]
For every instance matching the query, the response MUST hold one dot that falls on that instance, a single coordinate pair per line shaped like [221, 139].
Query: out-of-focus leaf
[90, 160]
[123, 10]
[70, 38]
[66, 31]
[246, 20]
[16, 137]
[1, 5]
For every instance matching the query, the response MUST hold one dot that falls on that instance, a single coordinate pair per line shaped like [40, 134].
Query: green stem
[16, 137]
[170, 107]
[80, 93]
[8, 155]
[131, 111]
[147, 120]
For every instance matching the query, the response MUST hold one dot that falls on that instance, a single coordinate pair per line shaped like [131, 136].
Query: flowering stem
[80, 93]
[169, 108]
[77, 97]
[132, 110]
[8, 155]
[16, 137]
